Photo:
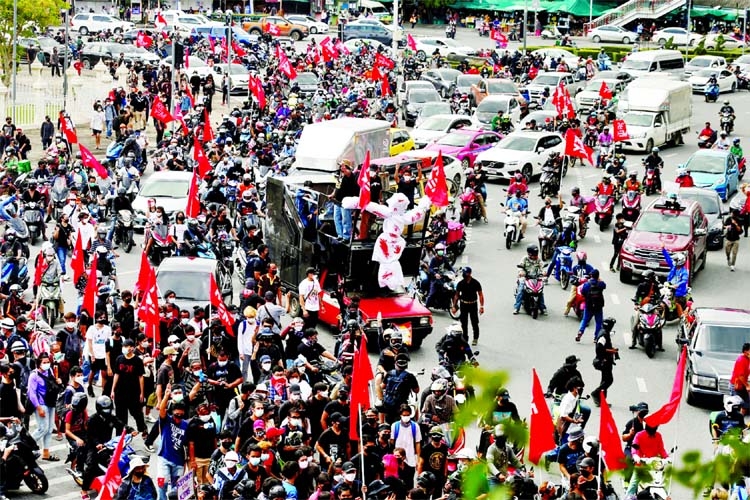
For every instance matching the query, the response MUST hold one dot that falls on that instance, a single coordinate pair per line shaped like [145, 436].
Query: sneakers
[84, 495]
[544, 312]
[475, 342]
[731, 268]
[612, 269]
[660, 349]
[516, 311]
[578, 337]
[150, 419]
[91, 391]
[486, 221]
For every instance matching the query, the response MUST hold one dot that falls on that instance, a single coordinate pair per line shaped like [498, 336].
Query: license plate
[652, 264]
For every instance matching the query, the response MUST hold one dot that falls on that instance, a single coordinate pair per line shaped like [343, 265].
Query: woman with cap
[136, 485]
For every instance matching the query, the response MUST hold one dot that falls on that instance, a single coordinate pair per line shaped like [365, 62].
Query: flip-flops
[51, 458]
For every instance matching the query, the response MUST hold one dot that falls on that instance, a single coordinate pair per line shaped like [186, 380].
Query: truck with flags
[345, 268]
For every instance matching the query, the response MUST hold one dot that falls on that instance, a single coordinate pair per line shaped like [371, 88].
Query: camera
[633, 408]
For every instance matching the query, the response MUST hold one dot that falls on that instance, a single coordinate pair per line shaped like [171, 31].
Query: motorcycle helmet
[104, 405]
[723, 133]
[121, 191]
[79, 401]
[247, 196]
[681, 172]
[440, 249]
[397, 339]
[732, 404]
[101, 250]
[606, 179]
[581, 256]
[10, 235]
[352, 325]
[736, 141]
[532, 251]
[649, 275]
[15, 288]
[455, 330]
[440, 372]
[498, 432]
[440, 385]
[192, 224]
[726, 103]
[590, 445]
[679, 259]
[426, 480]
[277, 492]
[32, 184]
[608, 324]
[633, 174]
[655, 150]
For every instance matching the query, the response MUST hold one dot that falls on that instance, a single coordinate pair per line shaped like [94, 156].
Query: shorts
[95, 132]
[99, 365]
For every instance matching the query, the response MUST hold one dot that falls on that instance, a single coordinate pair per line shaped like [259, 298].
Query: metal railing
[639, 8]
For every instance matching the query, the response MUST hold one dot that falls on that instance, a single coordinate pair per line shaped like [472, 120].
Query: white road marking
[597, 238]
[590, 176]
[641, 384]
[627, 336]
[615, 299]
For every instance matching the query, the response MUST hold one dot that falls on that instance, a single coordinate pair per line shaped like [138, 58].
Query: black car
[710, 202]
[444, 79]
[42, 45]
[94, 52]
[415, 101]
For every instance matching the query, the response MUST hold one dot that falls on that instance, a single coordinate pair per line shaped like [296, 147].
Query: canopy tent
[572, 7]
[723, 14]
[578, 8]
[498, 5]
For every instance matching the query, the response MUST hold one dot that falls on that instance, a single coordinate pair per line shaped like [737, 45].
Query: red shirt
[646, 446]
[740, 372]
[685, 181]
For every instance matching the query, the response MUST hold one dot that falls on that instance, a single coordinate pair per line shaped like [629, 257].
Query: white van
[378, 10]
[665, 61]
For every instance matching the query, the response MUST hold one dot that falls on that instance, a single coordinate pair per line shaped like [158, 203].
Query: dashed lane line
[615, 299]
[641, 384]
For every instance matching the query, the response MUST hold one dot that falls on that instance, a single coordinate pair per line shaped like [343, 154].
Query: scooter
[707, 141]
[533, 288]
[469, 207]
[549, 181]
[32, 216]
[669, 305]
[443, 299]
[603, 209]
[655, 488]
[160, 248]
[14, 271]
[547, 237]
[21, 465]
[49, 298]
[575, 214]
[726, 122]
[124, 230]
[564, 265]
[455, 241]
[647, 328]
[712, 92]
[631, 205]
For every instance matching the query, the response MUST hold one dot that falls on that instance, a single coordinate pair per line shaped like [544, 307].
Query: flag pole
[599, 476]
[361, 440]
[677, 433]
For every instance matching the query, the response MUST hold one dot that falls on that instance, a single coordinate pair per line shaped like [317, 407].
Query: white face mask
[173, 357]
[303, 464]
[230, 463]
[350, 477]
[405, 419]
[184, 321]
[222, 363]
[266, 366]
[298, 328]
[70, 325]
[324, 394]
[204, 418]
[293, 381]
[338, 478]
[79, 380]
[177, 398]
[44, 366]
[259, 412]
[191, 338]
[254, 461]
[264, 457]
[295, 422]
[301, 369]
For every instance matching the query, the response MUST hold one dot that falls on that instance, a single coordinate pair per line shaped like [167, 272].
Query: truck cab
[345, 268]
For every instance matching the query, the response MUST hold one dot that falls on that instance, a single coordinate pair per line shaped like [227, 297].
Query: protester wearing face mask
[195, 386]
[128, 386]
[43, 388]
[201, 442]
[224, 376]
[334, 443]
[277, 384]
[75, 386]
[349, 480]
[293, 334]
[373, 462]
[137, 484]
[167, 373]
[125, 315]
[97, 336]
[295, 434]
[199, 320]
[406, 434]
[253, 474]
[246, 340]
[433, 456]
[312, 351]
[315, 406]
[228, 473]
[178, 330]
[171, 453]
[308, 472]
[113, 351]
[70, 340]
[191, 346]
[144, 350]
[219, 455]
[338, 405]
[407, 183]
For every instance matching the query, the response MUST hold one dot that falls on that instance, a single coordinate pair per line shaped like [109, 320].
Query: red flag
[410, 42]
[143, 274]
[272, 29]
[204, 166]
[375, 74]
[221, 308]
[89, 161]
[360, 391]
[620, 130]
[341, 47]
[238, 50]
[285, 66]
[68, 130]
[664, 414]
[193, 202]
[384, 61]
[605, 92]
[328, 50]
[364, 182]
[92, 287]
[256, 87]
[436, 188]
[160, 22]
[541, 428]
[609, 438]
[385, 86]
[77, 264]
[112, 477]
[208, 133]
[148, 308]
[212, 44]
[574, 147]
[160, 112]
[143, 40]
[499, 37]
[180, 118]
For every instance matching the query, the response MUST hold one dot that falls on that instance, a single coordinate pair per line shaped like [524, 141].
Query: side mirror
[700, 232]
[539, 150]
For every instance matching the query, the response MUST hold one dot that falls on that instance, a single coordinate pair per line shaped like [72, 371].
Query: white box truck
[656, 111]
[323, 145]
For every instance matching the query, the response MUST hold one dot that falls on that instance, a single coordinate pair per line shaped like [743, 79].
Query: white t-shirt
[549, 216]
[568, 404]
[99, 338]
[406, 440]
[309, 291]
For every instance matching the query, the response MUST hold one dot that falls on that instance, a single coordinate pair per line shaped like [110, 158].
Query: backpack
[60, 408]
[413, 428]
[595, 295]
[396, 390]
[52, 391]
[72, 347]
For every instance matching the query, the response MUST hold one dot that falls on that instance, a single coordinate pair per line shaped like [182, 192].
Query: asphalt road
[518, 343]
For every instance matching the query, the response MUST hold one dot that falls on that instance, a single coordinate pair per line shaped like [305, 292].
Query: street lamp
[523, 24]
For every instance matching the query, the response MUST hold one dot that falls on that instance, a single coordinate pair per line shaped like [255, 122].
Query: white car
[432, 109]
[93, 23]
[312, 25]
[355, 45]
[680, 36]
[730, 42]
[524, 150]
[185, 23]
[169, 189]
[195, 65]
[490, 105]
[554, 53]
[587, 97]
[426, 46]
[743, 62]
[612, 33]
[705, 62]
[726, 79]
[239, 77]
[437, 126]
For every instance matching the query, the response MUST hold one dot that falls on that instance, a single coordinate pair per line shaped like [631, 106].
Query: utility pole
[229, 61]
[15, 56]
[523, 24]
[66, 14]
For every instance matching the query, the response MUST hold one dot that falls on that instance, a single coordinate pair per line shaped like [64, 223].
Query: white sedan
[679, 36]
[612, 33]
[730, 43]
[312, 25]
[426, 47]
[554, 53]
[699, 80]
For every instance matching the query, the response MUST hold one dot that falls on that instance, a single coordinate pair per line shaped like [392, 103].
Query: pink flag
[89, 161]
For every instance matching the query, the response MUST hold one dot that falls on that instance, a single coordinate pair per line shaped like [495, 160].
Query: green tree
[32, 15]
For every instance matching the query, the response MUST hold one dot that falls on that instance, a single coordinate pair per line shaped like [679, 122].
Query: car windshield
[721, 338]
[163, 188]
[500, 87]
[706, 164]
[635, 65]
[467, 80]
[455, 140]
[742, 60]
[550, 80]
[448, 74]
[436, 123]
[185, 287]
[638, 120]
[518, 143]
[596, 85]
[701, 63]
[420, 97]
[436, 108]
[708, 202]
[492, 106]
[664, 223]
[306, 79]
[236, 69]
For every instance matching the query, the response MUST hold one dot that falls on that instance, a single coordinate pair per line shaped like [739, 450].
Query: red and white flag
[328, 50]
[410, 42]
[208, 133]
[364, 182]
[605, 92]
[91, 290]
[284, 65]
[204, 166]
[541, 427]
[77, 261]
[160, 22]
[143, 40]
[193, 207]
[160, 112]
[89, 161]
[272, 29]
[66, 126]
[620, 130]
[574, 147]
[148, 308]
[436, 188]
[112, 477]
[499, 37]
[256, 87]
[384, 61]
[341, 47]
[217, 301]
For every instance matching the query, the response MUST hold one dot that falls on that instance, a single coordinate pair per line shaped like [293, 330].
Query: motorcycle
[161, 247]
[470, 209]
[631, 205]
[549, 181]
[575, 214]
[58, 196]
[512, 232]
[32, 216]
[603, 209]
[533, 287]
[669, 312]
[707, 141]
[49, 298]
[579, 302]
[124, 230]
[14, 271]
[104, 457]
[564, 265]
[547, 238]
[650, 181]
[230, 192]
[712, 92]
[443, 300]
[455, 241]
[647, 327]
[655, 487]
[21, 465]
[591, 137]
[726, 122]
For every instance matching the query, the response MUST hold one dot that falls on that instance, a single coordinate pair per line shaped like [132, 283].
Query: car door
[660, 130]
[482, 142]
[700, 234]
[101, 23]
[432, 77]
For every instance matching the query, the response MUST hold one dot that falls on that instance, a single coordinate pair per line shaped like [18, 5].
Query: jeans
[111, 232]
[342, 219]
[245, 367]
[598, 316]
[519, 298]
[169, 473]
[470, 311]
[109, 128]
[62, 255]
[44, 427]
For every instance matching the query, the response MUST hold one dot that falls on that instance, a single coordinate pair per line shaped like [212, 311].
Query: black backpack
[72, 347]
[595, 295]
[396, 388]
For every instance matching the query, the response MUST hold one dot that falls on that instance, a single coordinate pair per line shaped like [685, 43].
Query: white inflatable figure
[390, 245]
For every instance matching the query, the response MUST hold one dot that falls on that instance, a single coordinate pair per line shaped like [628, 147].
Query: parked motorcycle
[647, 328]
[124, 230]
[631, 205]
[21, 466]
[604, 205]
[32, 216]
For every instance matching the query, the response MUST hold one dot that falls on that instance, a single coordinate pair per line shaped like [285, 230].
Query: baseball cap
[169, 350]
[348, 466]
[173, 338]
[273, 432]
[259, 424]
[295, 389]
[265, 359]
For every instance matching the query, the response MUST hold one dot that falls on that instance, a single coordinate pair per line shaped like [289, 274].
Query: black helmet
[532, 250]
[276, 492]
[575, 191]
[80, 401]
[586, 462]
[104, 405]
[608, 324]
[649, 275]
[426, 480]
[352, 325]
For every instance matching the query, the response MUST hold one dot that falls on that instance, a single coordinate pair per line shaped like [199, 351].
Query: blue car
[715, 169]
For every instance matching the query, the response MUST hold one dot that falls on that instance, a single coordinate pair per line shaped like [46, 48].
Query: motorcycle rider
[194, 236]
[479, 177]
[684, 179]
[634, 426]
[500, 456]
[12, 250]
[518, 184]
[519, 204]
[120, 202]
[530, 265]
[559, 382]
[647, 291]
[678, 277]
[605, 187]
[578, 275]
[647, 444]
[727, 108]
[632, 183]
[453, 347]
[14, 305]
[32, 195]
[723, 142]
[606, 140]
[439, 407]
[709, 133]
[655, 162]
[736, 149]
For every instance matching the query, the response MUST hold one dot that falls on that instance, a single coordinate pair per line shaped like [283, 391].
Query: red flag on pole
[92, 287]
[204, 166]
[67, 128]
[89, 161]
[436, 188]
[208, 133]
[328, 50]
[574, 147]
[620, 130]
[187, 57]
[193, 202]
[384, 61]
[143, 40]
[77, 263]
[143, 274]
[664, 414]
[541, 427]
[364, 182]
[160, 112]
[221, 308]
[605, 92]
[112, 477]
[360, 392]
[212, 44]
[385, 86]
[410, 42]
[160, 22]
[256, 87]
[499, 37]
[148, 309]
[609, 438]
[285, 66]
[272, 29]
[375, 74]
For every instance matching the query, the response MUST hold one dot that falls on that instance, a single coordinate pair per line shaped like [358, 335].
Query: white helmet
[590, 443]
[681, 171]
[454, 329]
[440, 385]
[679, 259]
[732, 404]
[440, 246]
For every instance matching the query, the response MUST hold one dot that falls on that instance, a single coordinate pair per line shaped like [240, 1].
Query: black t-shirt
[311, 352]
[292, 437]
[434, 458]
[228, 373]
[113, 348]
[129, 370]
[8, 401]
[71, 350]
[334, 444]
[315, 407]
[346, 186]
[590, 489]
[165, 375]
[569, 457]
[634, 422]
[219, 225]
[63, 235]
[251, 477]
[203, 436]
[468, 291]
